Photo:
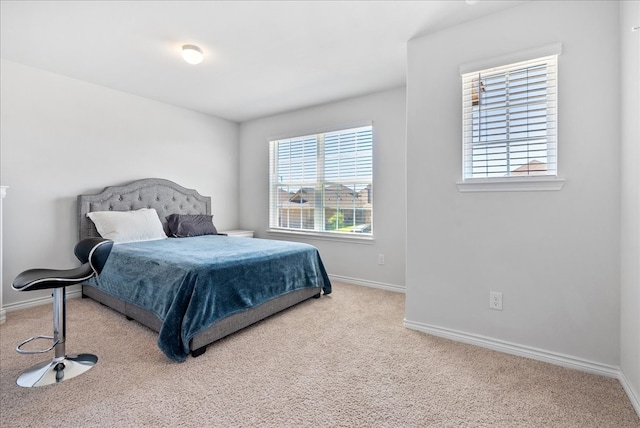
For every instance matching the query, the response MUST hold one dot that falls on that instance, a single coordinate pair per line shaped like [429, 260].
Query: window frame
[547, 182]
[321, 182]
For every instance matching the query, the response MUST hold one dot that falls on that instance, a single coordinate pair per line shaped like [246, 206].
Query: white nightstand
[238, 233]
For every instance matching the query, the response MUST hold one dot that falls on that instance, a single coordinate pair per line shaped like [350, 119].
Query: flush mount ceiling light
[192, 54]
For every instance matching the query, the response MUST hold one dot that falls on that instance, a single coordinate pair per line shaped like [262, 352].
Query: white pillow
[128, 226]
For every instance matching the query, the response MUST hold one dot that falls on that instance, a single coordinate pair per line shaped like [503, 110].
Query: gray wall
[554, 255]
[630, 219]
[62, 137]
[354, 261]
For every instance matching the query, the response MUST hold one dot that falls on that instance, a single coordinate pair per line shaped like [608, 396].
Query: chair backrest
[95, 251]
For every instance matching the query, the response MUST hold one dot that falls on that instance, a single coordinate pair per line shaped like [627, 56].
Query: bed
[194, 290]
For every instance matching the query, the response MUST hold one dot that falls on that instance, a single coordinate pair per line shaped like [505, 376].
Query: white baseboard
[367, 283]
[516, 349]
[78, 293]
[533, 353]
[25, 304]
[3, 316]
[633, 396]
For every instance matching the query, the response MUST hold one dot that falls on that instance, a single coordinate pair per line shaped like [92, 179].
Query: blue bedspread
[190, 283]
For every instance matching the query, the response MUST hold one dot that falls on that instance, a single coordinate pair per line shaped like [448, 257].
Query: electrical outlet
[495, 300]
[380, 259]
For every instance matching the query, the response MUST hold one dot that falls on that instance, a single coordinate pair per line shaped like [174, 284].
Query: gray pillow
[185, 225]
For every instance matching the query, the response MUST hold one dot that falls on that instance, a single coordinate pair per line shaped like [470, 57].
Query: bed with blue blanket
[195, 290]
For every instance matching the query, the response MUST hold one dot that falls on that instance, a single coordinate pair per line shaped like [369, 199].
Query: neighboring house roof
[304, 195]
[535, 167]
[335, 196]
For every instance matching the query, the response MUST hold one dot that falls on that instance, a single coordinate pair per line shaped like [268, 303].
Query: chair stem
[59, 326]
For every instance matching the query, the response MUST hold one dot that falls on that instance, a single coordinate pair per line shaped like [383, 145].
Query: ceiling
[261, 57]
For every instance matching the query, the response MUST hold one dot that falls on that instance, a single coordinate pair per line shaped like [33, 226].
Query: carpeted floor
[344, 360]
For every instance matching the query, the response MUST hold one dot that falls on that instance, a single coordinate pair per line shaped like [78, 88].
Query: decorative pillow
[185, 225]
[128, 226]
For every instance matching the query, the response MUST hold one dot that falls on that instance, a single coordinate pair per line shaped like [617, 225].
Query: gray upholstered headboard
[165, 196]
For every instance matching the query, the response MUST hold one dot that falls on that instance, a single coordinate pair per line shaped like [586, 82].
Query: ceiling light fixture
[471, 1]
[192, 54]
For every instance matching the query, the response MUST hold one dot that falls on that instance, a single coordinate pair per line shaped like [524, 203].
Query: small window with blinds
[323, 183]
[509, 126]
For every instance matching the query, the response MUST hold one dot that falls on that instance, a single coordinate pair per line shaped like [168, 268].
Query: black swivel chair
[93, 254]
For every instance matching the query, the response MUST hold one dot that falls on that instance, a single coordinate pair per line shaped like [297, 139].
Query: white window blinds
[509, 120]
[323, 182]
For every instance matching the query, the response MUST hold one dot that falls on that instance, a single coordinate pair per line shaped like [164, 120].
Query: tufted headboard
[165, 196]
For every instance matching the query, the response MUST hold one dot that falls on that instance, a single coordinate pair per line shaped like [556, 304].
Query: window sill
[355, 239]
[520, 184]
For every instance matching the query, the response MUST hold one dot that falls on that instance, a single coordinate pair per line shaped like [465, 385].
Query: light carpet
[344, 360]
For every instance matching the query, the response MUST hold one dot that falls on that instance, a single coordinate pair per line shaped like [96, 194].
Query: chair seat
[40, 279]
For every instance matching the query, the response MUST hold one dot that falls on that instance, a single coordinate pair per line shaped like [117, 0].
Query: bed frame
[167, 197]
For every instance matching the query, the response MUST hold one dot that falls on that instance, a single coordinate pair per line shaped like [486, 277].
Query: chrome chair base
[57, 370]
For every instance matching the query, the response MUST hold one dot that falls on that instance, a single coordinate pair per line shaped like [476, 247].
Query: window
[322, 183]
[509, 121]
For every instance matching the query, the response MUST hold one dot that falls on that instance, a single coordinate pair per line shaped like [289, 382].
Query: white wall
[554, 255]
[630, 208]
[61, 137]
[353, 261]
